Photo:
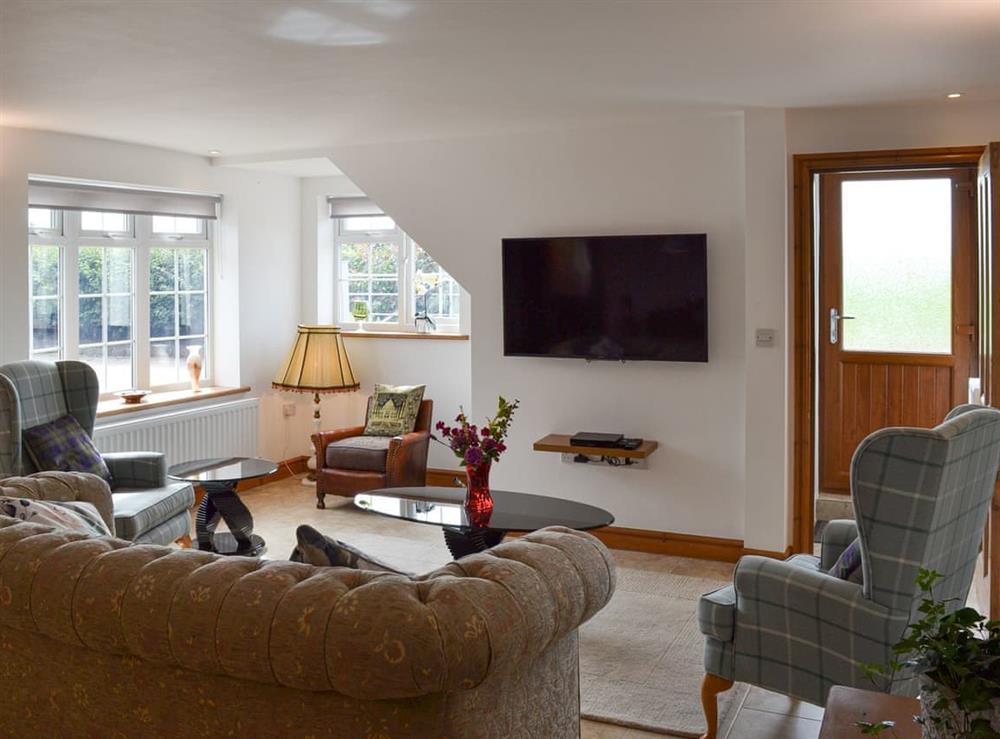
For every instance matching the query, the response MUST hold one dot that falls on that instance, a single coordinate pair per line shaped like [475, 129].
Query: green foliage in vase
[477, 446]
[957, 651]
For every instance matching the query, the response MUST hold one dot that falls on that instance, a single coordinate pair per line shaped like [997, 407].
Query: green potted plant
[955, 654]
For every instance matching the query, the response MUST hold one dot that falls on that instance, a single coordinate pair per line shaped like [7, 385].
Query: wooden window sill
[117, 406]
[403, 335]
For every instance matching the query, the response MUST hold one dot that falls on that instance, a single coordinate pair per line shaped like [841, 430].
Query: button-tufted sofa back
[198, 640]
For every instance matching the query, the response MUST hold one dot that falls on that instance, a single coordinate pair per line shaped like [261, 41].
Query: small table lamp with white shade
[317, 363]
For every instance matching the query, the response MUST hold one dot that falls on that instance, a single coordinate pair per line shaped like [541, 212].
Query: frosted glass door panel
[896, 237]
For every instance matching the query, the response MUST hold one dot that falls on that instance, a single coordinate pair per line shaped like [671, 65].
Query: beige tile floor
[280, 507]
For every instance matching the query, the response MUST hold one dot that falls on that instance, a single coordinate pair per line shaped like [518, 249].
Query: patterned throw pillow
[848, 564]
[323, 551]
[74, 515]
[394, 410]
[63, 445]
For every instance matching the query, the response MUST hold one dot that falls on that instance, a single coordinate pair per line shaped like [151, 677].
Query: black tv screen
[607, 297]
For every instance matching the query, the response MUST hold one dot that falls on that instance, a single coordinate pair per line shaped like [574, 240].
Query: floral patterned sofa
[100, 637]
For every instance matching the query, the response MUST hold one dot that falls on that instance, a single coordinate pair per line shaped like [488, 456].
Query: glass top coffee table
[218, 478]
[444, 507]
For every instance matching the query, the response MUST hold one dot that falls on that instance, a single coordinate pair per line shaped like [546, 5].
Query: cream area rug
[641, 656]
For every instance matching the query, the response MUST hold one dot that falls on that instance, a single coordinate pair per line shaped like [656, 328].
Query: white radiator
[220, 430]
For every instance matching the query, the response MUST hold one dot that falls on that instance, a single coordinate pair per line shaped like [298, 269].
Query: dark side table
[219, 478]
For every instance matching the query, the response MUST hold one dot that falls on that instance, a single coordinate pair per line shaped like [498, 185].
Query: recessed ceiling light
[216, 152]
[953, 95]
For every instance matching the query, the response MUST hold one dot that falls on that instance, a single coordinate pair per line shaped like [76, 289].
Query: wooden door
[987, 584]
[896, 309]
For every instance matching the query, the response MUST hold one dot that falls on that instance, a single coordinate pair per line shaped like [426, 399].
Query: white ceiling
[251, 76]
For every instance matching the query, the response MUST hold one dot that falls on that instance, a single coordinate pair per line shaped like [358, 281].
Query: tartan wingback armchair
[147, 508]
[921, 498]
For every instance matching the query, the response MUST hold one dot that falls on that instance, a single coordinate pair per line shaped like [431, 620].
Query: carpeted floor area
[641, 657]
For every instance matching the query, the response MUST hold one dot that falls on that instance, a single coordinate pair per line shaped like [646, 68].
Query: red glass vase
[478, 501]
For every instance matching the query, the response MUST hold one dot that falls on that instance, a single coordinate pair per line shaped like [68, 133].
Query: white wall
[961, 122]
[317, 244]
[444, 366]
[768, 434]
[678, 174]
[256, 303]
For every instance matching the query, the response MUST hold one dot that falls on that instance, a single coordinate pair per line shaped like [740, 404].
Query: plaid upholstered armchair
[921, 498]
[147, 508]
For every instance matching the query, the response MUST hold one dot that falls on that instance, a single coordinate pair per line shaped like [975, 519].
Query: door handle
[835, 319]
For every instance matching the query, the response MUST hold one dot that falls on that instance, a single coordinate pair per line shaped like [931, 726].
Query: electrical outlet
[765, 337]
[288, 410]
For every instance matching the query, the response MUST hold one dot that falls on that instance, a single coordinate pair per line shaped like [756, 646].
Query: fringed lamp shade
[317, 363]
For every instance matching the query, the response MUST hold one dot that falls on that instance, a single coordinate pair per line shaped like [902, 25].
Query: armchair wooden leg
[185, 541]
[711, 686]
[320, 499]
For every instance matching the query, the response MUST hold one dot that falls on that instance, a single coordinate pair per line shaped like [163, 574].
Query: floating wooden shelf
[560, 443]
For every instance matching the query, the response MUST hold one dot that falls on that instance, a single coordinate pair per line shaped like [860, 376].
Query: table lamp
[317, 363]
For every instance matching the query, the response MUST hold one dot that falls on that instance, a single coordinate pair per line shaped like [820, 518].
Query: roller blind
[74, 195]
[353, 207]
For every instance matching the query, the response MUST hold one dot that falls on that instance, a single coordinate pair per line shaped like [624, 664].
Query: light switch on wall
[765, 337]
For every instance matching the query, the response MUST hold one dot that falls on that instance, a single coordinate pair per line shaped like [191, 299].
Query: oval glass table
[219, 478]
[444, 507]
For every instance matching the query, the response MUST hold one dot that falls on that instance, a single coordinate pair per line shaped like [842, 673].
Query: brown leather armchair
[347, 462]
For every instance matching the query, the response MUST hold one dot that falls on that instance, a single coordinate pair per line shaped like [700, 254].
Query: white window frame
[55, 231]
[141, 240]
[178, 236]
[405, 274]
[129, 234]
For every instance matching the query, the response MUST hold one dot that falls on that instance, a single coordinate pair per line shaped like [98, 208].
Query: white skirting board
[227, 429]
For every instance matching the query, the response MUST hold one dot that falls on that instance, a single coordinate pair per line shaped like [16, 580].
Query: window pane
[91, 270]
[162, 270]
[119, 270]
[178, 225]
[384, 286]
[45, 270]
[104, 222]
[383, 259]
[162, 362]
[119, 366]
[45, 323]
[897, 265]
[91, 320]
[179, 312]
[435, 292]
[119, 317]
[41, 219]
[384, 308]
[354, 258]
[161, 315]
[94, 356]
[191, 269]
[368, 223]
[192, 314]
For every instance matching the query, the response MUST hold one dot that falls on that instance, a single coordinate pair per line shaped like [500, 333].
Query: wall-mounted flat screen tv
[607, 297]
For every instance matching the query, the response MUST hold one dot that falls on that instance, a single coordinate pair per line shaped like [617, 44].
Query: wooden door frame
[804, 294]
